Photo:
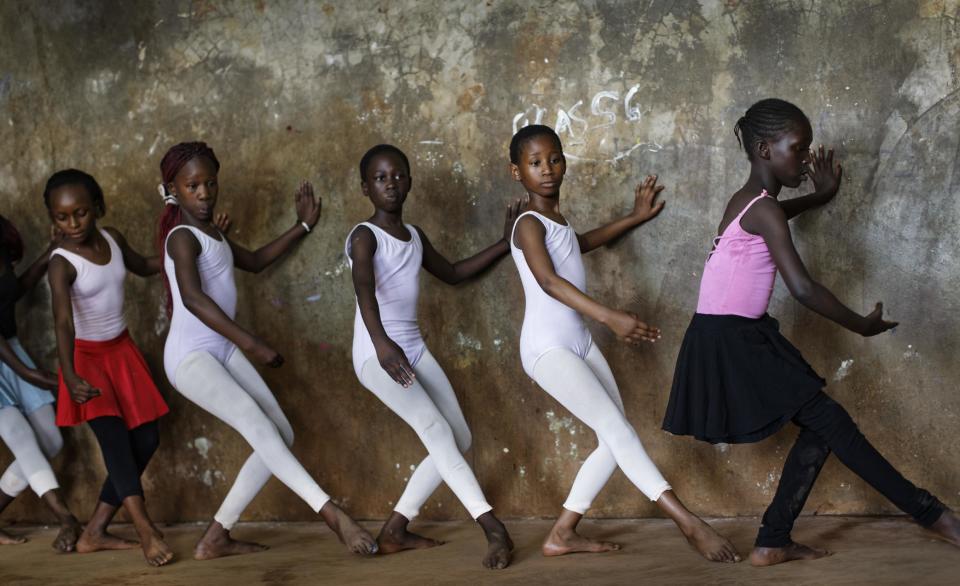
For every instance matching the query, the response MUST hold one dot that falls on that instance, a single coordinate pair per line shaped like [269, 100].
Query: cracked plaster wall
[290, 90]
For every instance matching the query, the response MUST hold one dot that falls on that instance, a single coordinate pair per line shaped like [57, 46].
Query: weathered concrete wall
[285, 90]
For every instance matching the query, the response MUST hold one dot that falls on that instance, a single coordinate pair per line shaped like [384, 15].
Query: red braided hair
[171, 217]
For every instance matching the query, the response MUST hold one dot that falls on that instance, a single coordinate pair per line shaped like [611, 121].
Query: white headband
[168, 198]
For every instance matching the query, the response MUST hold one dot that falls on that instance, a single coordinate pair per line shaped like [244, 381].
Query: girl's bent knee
[261, 434]
[54, 444]
[617, 432]
[464, 440]
[18, 435]
[435, 431]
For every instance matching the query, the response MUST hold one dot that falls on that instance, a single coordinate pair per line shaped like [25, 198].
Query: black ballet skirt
[737, 380]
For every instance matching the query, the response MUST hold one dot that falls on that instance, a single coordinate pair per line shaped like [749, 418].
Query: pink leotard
[739, 273]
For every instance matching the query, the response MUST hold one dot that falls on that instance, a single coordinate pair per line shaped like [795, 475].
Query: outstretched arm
[530, 235]
[29, 278]
[826, 178]
[363, 245]
[453, 273]
[183, 248]
[645, 207]
[308, 212]
[34, 376]
[768, 219]
[136, 263]
[61, 276]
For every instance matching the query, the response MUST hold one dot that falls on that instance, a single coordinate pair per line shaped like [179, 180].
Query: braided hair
[178, 156]
[767, 120]
[525, 134]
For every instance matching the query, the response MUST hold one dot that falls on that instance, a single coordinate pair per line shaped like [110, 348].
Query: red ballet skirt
[127, 390]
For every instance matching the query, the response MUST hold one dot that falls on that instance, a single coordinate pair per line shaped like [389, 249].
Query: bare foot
[217, 543]
[499, 545]
[90, 542]
[564, 541]
[7, 539]
[499, 551]
[355, 537]
[769, 556]
[947, 527]
[66, 540]
[709, 543]
[155, 550]
[394, 540]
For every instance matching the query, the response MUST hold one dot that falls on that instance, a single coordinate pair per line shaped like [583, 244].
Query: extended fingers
[647, 182]
[222, 221]
[646, 333]
[402, 373]
[407, 371]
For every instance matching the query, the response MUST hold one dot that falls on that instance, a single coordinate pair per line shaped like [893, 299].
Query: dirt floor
[868, 550]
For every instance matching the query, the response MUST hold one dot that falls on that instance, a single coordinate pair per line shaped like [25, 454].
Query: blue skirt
[16, 392]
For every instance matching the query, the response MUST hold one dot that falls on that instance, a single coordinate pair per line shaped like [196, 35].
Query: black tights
[826, 426]
[126, 454]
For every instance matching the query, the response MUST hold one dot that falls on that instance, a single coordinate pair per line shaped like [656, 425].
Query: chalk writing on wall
[598, 132]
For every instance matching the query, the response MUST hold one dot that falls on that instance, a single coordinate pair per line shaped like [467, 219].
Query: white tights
[430, 407]
[236, 394]
[32, 439]
[586, 388]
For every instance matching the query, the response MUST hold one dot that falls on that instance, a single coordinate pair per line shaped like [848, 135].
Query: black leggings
[126, 454]
[826, 426]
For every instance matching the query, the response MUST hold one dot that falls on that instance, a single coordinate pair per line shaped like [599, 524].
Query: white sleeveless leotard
[187, 333]
[547, 323]
[396, 268]
[97, 294]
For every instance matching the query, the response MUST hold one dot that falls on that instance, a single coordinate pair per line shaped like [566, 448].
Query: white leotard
[396, 268]
[547, 323]
[187, 333]
[97, 294]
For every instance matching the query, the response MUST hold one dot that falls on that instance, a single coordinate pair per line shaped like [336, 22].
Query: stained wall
[291, 90]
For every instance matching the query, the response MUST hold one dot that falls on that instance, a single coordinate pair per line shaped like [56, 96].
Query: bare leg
[217, 543]
[5, 500]
[155, 549]
[70, 528]
[499, 545]
[701, 536]
[395, 537]
[6, 538]
[352, 535]
[95, 536]
[563, 538]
